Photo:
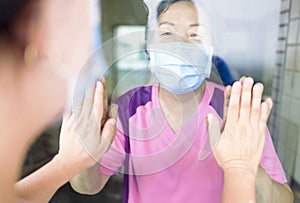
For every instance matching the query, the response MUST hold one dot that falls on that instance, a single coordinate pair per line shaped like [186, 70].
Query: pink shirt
[164, 166]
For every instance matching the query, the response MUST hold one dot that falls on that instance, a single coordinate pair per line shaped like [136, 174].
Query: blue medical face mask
[180, 67]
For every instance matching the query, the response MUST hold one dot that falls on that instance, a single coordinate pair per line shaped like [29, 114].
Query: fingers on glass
[98, 102]
[257, 92]
[246, 97]
[266, 108]
[108, 132]
[88, 102]
[227, 94]
[234, 103]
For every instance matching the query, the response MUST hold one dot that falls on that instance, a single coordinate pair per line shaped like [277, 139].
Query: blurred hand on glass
[86, 133]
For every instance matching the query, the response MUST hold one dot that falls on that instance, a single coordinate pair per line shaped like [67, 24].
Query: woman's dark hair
[164, 5]
[9, 9]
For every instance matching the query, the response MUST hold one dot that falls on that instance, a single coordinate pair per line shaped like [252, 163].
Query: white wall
[246, 33]
[287, 88]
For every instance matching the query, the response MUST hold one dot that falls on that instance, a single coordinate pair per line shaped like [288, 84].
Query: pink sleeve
[270, 161]
[112, 161]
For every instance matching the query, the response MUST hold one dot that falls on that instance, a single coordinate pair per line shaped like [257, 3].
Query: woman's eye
[166, 34]
[195, 35]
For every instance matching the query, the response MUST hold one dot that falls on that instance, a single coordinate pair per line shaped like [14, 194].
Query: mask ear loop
[146, 42]
[152, 78]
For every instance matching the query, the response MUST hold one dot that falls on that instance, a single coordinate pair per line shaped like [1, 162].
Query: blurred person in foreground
[43, 46]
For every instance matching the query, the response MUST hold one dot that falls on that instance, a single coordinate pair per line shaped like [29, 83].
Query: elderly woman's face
[182, 22]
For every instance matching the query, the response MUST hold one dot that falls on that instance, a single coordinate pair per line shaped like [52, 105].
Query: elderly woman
[162, 142]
